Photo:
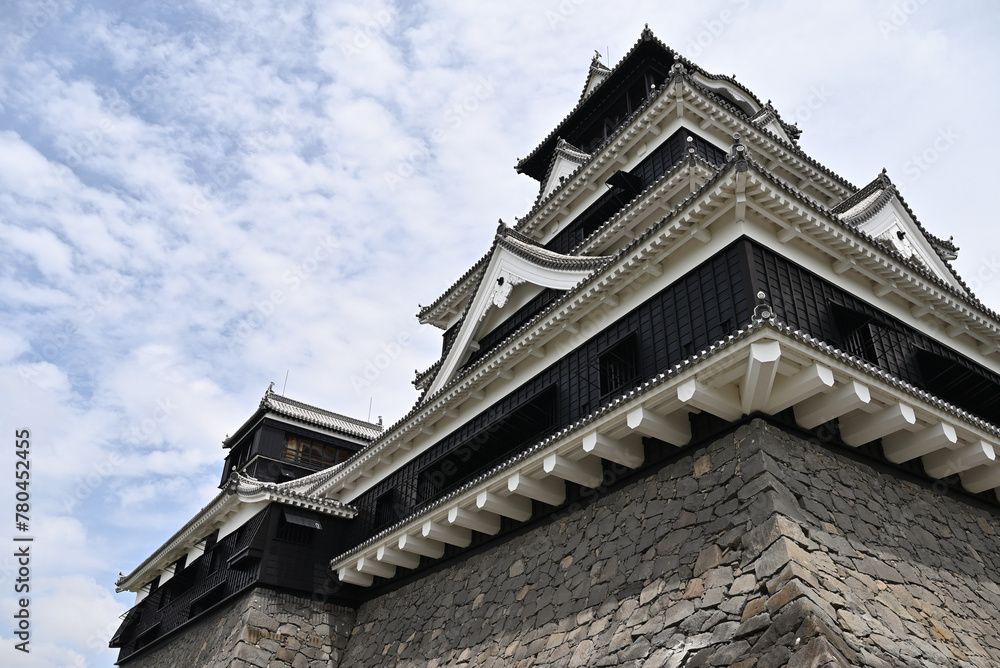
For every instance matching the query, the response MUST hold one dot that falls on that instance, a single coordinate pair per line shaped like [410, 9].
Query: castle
[706, 404]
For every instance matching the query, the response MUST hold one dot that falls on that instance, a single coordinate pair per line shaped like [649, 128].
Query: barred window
[313, 453]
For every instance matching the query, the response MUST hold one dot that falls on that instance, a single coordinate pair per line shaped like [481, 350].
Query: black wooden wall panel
[687, 316]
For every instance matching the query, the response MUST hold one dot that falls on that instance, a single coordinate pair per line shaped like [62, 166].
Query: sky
[201, 197]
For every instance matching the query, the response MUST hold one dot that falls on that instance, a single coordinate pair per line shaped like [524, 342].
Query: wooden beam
[861, 429]
[351, 576]
[550, 490]
[902, 447]
[396, 557]
[723, 402]
[882, 289]
[954, 330]
[373, 567]
[787, 234]
[674, 428]
[817, 410]
[841, 266]
[515, 507]
[447, 533]
[758, 381]
[626, 454]
[422, 546]
[586, 472]
[944, 463]
[483, 522]
[808, 382]
[981, 478]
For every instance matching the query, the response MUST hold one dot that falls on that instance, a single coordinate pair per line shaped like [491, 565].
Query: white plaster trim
[505, 270]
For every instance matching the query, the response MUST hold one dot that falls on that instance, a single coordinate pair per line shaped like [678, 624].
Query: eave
[765, 368]
[238, 491]
[286, 409]
[513, 260]
[650, 46]
[680, 97]
[737, 190]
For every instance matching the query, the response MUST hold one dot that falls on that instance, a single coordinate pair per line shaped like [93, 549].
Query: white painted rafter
[817, 387]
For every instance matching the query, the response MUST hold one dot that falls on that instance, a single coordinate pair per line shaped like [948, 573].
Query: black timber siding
[264, 551]
[268, 446]
[816, 306]
[653, 166]
[697, 310]
[694, 312]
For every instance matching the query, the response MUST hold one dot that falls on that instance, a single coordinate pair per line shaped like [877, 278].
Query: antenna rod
[370, 409]
[286, 382]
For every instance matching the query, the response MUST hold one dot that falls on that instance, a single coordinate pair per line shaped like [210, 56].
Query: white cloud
[165, 173]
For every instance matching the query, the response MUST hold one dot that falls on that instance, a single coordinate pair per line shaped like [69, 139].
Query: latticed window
[618, 368]
[313, 453]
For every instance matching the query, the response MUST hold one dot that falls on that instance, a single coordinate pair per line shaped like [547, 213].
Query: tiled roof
[239, 489]
[763, 319]
[871, 199]
[520, 245]
[530, 250]
[647, 36]
[310, 415]
[317, 480]
[320, 417]
[596, 68]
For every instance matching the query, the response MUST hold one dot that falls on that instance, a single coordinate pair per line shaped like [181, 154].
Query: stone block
[695, 588]
[744, 584]
[782, 551]
[708, 558]
[677, 613]
[790, 571]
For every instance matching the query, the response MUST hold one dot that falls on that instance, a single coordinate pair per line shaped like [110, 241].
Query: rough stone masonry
[762, 549]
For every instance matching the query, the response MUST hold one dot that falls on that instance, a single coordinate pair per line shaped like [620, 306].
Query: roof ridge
[270, 394]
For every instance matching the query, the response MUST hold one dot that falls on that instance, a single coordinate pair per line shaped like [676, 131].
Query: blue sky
[197, 199]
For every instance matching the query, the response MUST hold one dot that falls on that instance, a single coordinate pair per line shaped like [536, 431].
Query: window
[313, 453]
[386, 509]
[857, 332]
[618, 368]
[297, 527]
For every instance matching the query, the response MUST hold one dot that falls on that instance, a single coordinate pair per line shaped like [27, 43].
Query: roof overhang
[766, 368]
[513, 262]
[783, 218]
[238, 494]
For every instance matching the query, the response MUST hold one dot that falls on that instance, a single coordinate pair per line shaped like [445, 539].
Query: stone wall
[760, 550]
[264, 629]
